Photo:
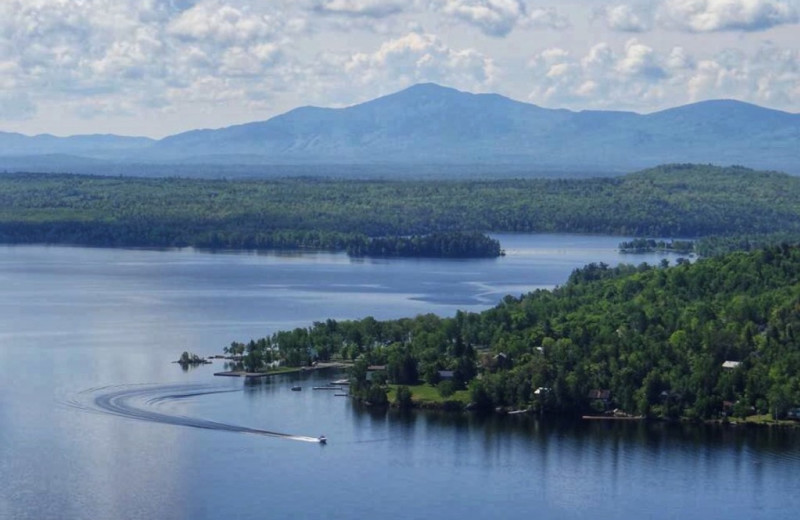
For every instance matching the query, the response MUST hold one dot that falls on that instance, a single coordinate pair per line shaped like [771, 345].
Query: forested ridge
[669, 201]
[656, 338]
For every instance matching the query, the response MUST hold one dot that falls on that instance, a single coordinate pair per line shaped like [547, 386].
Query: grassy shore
[427, 396]
[768, 420]
[283, 370]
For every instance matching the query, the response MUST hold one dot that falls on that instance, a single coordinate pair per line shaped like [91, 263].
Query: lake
[97, 423]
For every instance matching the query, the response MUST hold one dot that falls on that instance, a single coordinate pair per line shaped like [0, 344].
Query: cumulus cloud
[639, 60]
[726, 15]
[152, 58]
[627, 18]
[604, 75]
[419, 57]
[546, 18]
[700, 15]
[222, 23]
[365, 8]
[769, 76]
[499, 17]
[369, 16]
[637, 76]
[104, 56]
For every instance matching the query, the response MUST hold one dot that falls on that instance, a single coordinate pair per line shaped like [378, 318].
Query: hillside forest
[725, 208]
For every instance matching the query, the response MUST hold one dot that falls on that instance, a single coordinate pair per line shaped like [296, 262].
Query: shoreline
[289, 370]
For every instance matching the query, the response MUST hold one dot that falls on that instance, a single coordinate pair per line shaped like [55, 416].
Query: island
[650, 245]
[188, 359]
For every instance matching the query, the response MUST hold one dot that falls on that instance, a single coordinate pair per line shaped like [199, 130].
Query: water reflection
[73, 318]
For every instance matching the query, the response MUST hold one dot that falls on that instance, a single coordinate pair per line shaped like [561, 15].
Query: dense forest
[647, 245]
[720, 336]
[685, 201]
[445, 245]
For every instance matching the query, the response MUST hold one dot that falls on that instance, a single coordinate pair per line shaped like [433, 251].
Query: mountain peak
[430, 124]
[429, 88]
[420, 91]
[721, 106]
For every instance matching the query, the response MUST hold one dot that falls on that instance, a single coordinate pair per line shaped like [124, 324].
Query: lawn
[425, 394]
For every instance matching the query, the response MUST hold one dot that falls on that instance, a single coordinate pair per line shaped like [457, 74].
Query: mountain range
[429, 126]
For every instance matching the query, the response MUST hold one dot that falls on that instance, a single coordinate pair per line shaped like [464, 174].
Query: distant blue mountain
[95, 146]
[428, 124]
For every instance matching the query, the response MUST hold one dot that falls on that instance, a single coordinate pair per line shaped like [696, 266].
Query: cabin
[731, 365]
[501, 361]
[727, 408]
[445, 375]
[600, 396]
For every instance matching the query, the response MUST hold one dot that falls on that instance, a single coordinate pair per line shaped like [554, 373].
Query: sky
[159, 67]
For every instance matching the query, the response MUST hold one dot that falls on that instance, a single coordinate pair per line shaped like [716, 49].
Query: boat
[297, 388]
[322, 439]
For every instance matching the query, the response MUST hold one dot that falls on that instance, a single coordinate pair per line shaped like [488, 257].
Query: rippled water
[95, 422]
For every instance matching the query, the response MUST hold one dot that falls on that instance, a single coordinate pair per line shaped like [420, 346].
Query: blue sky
[156, 67]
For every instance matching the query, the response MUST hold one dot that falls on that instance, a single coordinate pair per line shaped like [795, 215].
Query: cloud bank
[636, 74]
[110, 64]
[701, 16]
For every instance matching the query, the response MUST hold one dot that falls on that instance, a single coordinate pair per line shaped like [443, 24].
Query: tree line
[686, 201]
[720, 336]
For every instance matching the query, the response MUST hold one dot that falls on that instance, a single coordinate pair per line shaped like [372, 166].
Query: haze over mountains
[431, 126]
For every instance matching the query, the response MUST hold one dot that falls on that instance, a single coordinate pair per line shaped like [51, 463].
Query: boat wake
[142, 402]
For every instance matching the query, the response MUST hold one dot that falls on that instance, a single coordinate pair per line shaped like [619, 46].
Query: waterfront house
[601, 395]
[445, 375]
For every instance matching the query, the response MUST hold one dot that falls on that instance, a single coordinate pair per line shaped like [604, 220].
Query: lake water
[86, 340]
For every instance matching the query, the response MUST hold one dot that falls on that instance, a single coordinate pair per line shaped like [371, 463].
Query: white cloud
[108, 56]
[417, 58]
[493, 17]
[222, 23]
[639, 60]
[130, 63]
[248, 61]
[679, 59]
[726, 15]
[627, 18]
[546, 18]
[636, 76]
[769, 76]
[365, 8]
[499, 17]
[699, 15]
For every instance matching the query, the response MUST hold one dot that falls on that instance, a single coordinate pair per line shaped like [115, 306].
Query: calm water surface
[82, 327]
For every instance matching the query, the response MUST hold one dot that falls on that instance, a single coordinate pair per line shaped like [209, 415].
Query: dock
[611, 418]
[280, 370]
[242, 373]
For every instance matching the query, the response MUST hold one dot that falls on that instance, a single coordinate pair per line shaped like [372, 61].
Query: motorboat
[297, 388]
[322, 439]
